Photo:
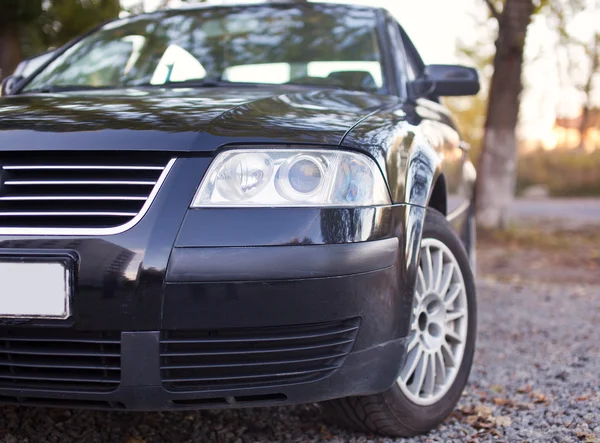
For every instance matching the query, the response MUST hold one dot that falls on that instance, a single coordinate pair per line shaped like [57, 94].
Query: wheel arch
[424, 189]
[438, 198]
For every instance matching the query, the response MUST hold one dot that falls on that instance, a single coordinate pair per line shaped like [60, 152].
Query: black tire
[470, 237]
[391, 413]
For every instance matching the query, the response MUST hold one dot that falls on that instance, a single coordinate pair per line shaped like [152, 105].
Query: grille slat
[60, 359]
[260, 351]
[264, 363]
[81, 167]
[58, 365]
[256, 339]
[250, 376]
[69, 353]
[66, 214]
[87, 190]
[36, 377]
[42, 339]
[79, 182]
[72, 197]
[197, 360]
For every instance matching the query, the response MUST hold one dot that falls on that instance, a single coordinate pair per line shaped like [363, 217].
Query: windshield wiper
[198, 83]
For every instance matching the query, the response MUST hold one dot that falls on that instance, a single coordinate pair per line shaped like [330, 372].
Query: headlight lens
[243, 176]
[286, 177]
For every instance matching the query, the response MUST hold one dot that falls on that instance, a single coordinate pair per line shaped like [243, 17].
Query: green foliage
[470, 114]
[19, 11]
[540, 5]
[565, 172]
[64, 20]
[46, 24]
[496, 6]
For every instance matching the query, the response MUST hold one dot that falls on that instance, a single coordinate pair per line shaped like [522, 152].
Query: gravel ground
[536, 378]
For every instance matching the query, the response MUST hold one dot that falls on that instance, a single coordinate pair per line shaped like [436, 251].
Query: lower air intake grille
[60, 359]
[77, 189]
[195, 360]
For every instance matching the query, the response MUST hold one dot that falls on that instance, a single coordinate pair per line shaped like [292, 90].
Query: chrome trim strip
[128, 168]
[68, 214]
[96, 231]
[77, 182]
[73, 197]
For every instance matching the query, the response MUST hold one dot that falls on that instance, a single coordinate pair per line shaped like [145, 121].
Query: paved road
[576, 212]
[536, 378]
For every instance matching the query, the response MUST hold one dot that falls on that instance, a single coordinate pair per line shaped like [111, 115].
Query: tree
[497, 166]
[64, 20]
[579, 55]
[13, 15]
[470, 112]
[29, 27]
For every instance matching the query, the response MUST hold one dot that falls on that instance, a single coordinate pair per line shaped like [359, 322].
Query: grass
[541, 253]
[564, 172]
[556, 239]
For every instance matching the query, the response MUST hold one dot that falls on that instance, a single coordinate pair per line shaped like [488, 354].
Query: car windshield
[316, 45]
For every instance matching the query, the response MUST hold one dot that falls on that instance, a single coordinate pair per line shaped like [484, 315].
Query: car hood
[180, 119]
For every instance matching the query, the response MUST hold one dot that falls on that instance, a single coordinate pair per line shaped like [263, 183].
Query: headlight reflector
[291, 177]
[243, 176]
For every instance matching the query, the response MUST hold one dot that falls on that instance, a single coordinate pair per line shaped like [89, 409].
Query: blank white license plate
[34, 289]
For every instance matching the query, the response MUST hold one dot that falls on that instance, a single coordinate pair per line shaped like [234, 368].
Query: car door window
[414, 64]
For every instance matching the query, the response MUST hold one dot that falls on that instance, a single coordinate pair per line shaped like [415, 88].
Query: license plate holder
[36, 287]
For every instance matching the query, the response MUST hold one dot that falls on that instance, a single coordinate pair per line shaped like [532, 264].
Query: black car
[238, 206]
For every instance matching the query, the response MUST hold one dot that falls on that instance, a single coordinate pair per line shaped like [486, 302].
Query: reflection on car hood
[180, 119]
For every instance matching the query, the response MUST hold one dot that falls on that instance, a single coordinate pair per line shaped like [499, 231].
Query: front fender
[411, 162]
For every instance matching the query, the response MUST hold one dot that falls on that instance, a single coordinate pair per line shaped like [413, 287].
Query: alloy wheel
[438, 327]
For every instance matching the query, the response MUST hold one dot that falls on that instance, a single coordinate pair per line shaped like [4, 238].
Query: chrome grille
[78, 190]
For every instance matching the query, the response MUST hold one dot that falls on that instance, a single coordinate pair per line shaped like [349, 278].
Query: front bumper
[218, 308]
[231, 344]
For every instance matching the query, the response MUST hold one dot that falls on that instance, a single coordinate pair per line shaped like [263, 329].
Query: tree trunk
[588, 90]
[497, 167]
[10, 48]
[583, 127]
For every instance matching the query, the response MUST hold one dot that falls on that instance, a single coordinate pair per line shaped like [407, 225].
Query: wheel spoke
[429, 386]
[441, 366]
[446, 279]
[427, 268]
[451, 316]
[437, 269]
[421, 281]
[413, 342]
[420, 373]
[447, 355]
[418, 297]
[454, 336]
[412, 360]
[451, 296]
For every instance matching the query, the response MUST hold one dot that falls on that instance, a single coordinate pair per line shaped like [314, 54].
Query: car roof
[241, 3]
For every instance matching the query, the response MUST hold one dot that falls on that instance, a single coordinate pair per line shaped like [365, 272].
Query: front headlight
[291, 177]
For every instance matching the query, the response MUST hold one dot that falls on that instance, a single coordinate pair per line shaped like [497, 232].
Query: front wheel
[440, 348]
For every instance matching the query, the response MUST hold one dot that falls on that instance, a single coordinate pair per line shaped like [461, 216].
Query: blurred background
[553, 112]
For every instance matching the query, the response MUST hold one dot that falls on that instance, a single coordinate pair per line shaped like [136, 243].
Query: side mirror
[446, 81]
[9, 84]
